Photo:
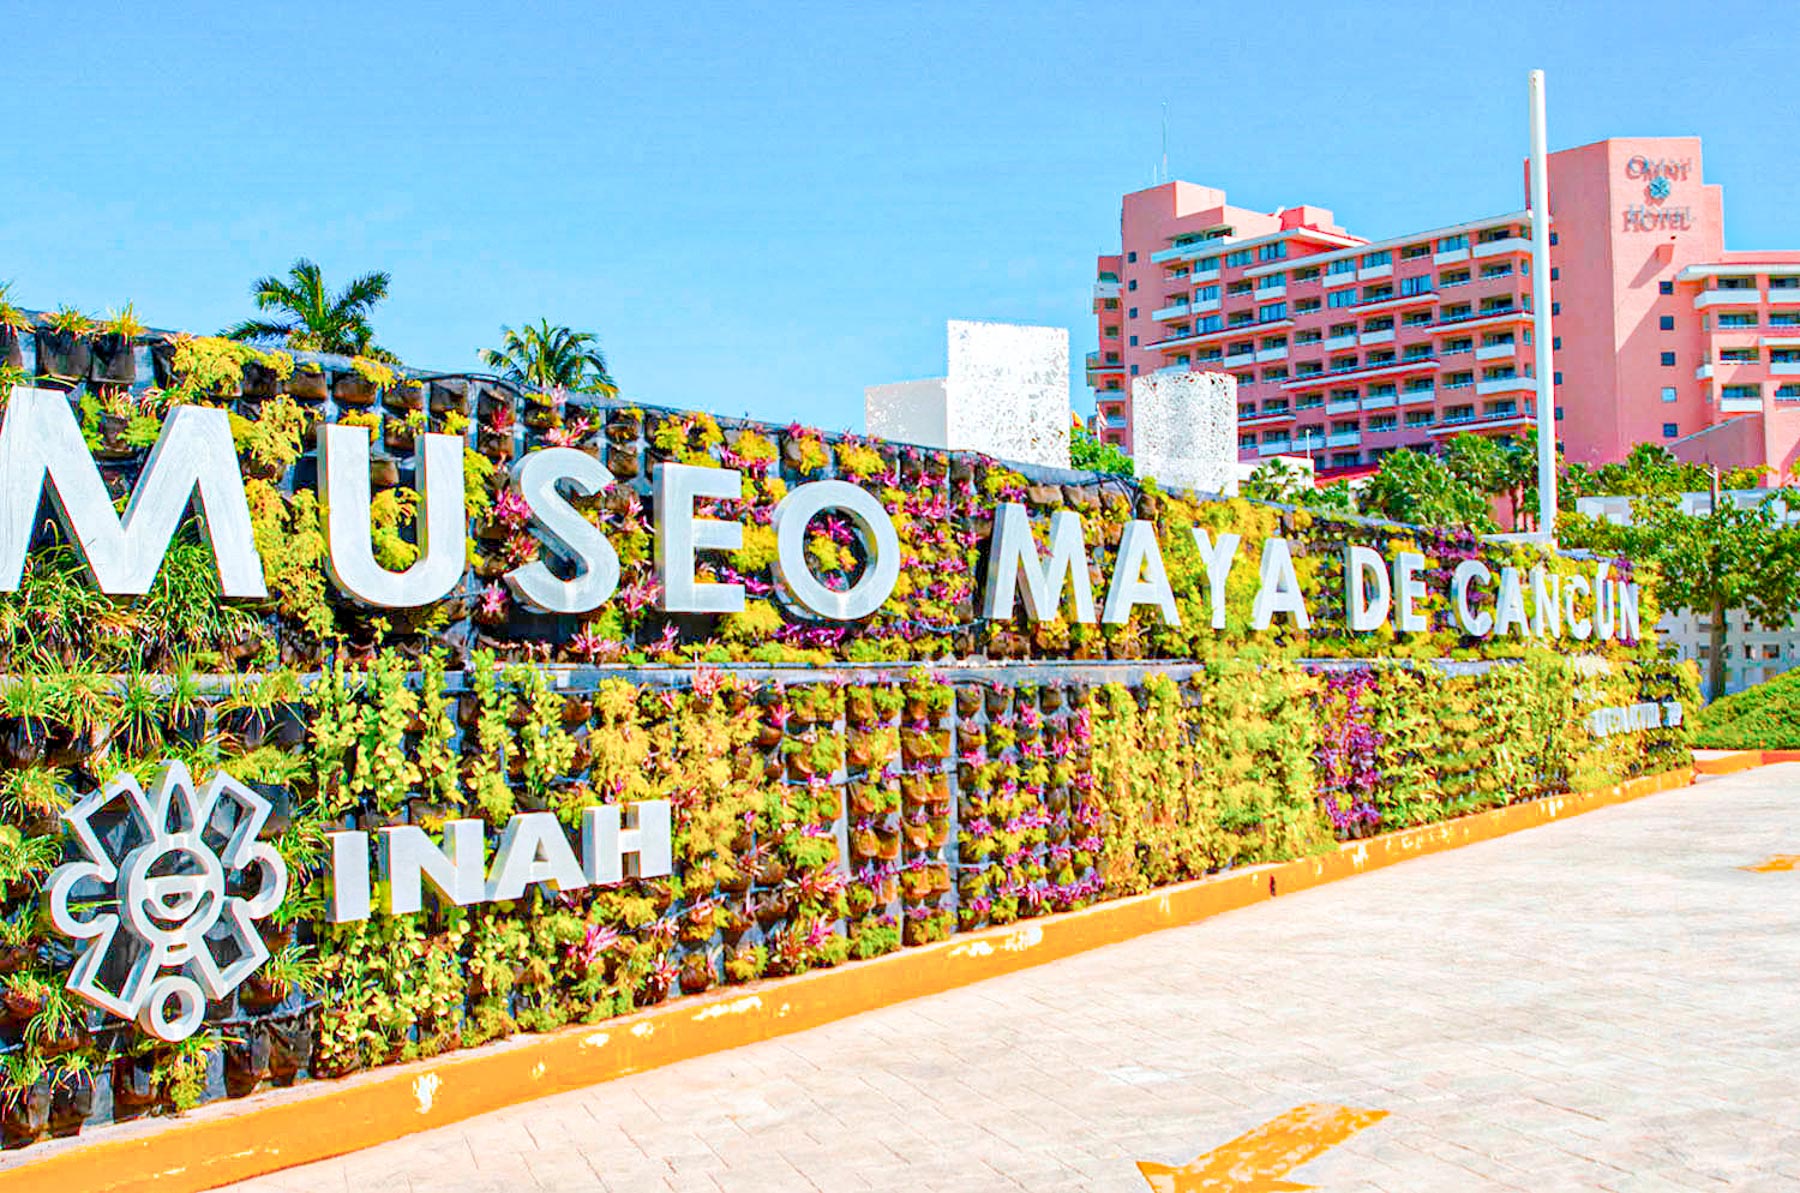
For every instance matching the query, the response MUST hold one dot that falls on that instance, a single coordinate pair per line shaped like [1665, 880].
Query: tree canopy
[1091, 455]
[1420, 488]
[315, 319]
[543, 357]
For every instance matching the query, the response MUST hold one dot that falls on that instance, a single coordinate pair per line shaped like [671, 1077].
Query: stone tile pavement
[1608, 1003]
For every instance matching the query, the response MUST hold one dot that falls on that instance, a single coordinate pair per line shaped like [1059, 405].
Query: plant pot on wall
[114, 359]
[62, 354]
[25, 1114]
[71, 1104]
[308, 385]
[353, 389]
[12, 348]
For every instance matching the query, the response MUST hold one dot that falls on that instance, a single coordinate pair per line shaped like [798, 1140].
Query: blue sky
[763, 209]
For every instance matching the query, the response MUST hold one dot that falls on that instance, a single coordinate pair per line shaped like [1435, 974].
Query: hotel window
[1309, 402]
[1241, 348]
[1345, 459]
[1787, 393]
[1278, 373]
[1306, 306]
[1412, 286]
[1418, 418]
[1665, 287]
[1450, 244]
[1342, 265]
[1343, 395]
[1246, 409]
[1206, 293]
[1737, 283]
[1413, 252]
[1458, 345]
[1275, 436]
[1237, 288]
[1343, 298]
[1418, 352]
[1382, 389]
[1310, 335]
[1453, 277]
[1490, 235]
[1556, 343]
[1132, 313]
[1275, 406]
[1420, 385]
[1740, 392]
[1207, 323]
[1555, 274]
[1416, 319]
[1500, 409]
[1112, 304]
[1132, 284]
[1134, 342]
[1240, 318]
[1787, 283]
[1342, 329]
[1134, 371]
[1344, 428]
[1383, 356]
[1382, 323]
[1737, 356]
[1377, 293]
[1111, 331]
[1737, 319]
[1343, 364]
[1308, 368]
[1670, 430]
[1784, 319]
[1306, 273]
[1556, 378]
[1668, 393]
[1458, 380]
[1784, 356]
[1459, 414]
[1240, 257]
[1272, 252]
[1112, 358]
[1131, 258]
[1554, 240]
[1244, 378]
[1503, 269]
[1245, 442]
[1453, 312]
[1371, 260]
[1668, 360]
[1383, 422]
[1499, 373]
[1559, 414]
[1556, 308]
[1271, 281]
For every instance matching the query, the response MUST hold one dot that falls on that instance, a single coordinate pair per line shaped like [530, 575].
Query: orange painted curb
[1737, 760]
[231, 1141]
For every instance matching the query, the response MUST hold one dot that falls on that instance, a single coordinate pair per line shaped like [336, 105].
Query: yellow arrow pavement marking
[1255, 1161]
[1781, 861]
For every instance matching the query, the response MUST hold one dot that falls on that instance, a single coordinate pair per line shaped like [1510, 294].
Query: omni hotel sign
[1658, 176]
[177, 937]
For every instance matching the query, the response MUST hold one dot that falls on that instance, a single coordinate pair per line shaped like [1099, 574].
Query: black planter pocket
[63, 355]
[113, 360]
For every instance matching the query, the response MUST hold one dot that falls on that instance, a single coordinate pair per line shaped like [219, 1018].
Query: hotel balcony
[1344, 439]
[1204, 275]
[1704, 372]
[1506, 385]
[1497, 351]
[1269, 354]
[1384, 402]
[1784, 296]
[1333, 281]
[1377, 337]
[1740, 405]
[1727, 298]
[1233, 360]
[1178, 310]
[1372, 273]
[1106, 289]
[1451, 257]
[1784, 368]
[1274, 448]
[1271, 295]
[1335, 342]
[1413, 397]
[1508, 244]
[1342, 406]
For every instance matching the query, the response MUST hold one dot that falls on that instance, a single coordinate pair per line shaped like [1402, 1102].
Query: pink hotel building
[1345, 349]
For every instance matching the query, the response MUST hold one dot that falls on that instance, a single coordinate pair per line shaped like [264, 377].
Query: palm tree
[546, 357]
[317, 320]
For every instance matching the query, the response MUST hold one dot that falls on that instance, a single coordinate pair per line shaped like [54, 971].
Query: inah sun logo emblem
[164, 935]
[1658, 189]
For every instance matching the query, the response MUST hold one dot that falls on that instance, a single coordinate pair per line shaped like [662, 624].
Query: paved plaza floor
[1611, 1002]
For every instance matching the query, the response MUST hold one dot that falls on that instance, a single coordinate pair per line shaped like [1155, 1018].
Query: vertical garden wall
[837, 790]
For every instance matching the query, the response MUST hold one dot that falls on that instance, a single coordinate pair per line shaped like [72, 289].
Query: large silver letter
[533, 849]
[1476, 625]
[1013, 556]
[1509, 606]
[1361, 565]
[456, 870]
[1409, 590]
[596, 562]
[1218, 558]
[679, 534]
[796, 510]
[1546, 602]
[1278, 588]
[41, 445]
[1138, 577]
[350, 558]
[1626, 592]
[605, 843]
